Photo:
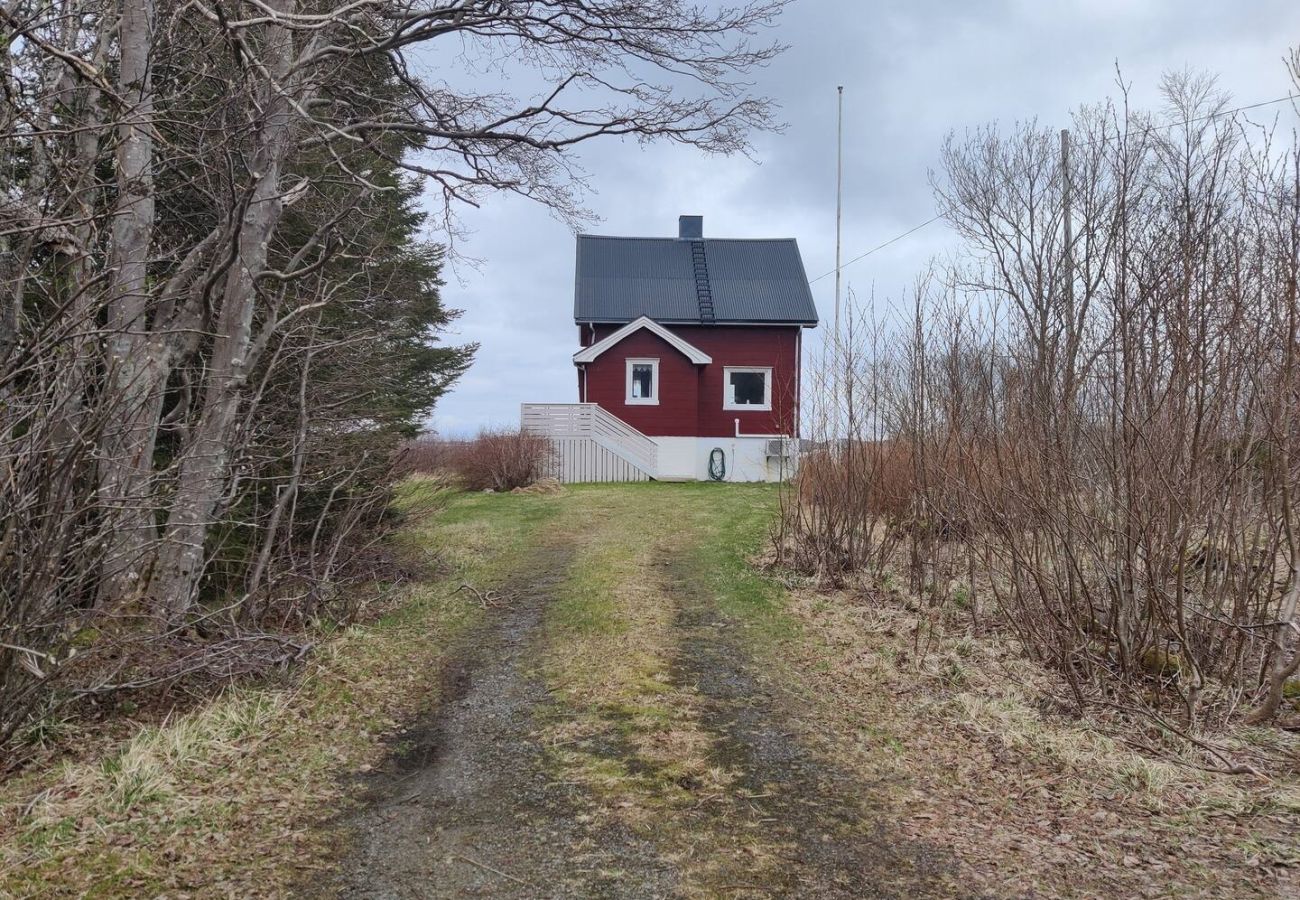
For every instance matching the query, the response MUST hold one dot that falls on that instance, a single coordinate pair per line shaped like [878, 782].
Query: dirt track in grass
[479, 803]
[640, 711]
[647, 714]
[829, 831]
[467, 807]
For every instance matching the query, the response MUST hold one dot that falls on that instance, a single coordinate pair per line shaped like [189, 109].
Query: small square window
[747, 389]
[642, 381]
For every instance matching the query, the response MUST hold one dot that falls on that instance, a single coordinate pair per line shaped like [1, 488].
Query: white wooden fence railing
[573, 427]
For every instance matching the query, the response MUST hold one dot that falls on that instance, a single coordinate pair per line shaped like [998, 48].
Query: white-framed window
[747, 388]
[643, 382]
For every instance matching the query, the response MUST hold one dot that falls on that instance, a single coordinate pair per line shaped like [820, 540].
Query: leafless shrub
[428, 455]
[847, 509]
[1099, 412]
[502, 460]
[850, 507]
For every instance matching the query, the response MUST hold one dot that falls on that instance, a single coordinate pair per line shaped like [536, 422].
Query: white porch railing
[560, 421]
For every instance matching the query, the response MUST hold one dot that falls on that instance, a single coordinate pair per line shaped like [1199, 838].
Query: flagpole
[839, 204]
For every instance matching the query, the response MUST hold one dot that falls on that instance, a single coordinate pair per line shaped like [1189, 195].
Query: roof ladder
[703, 290]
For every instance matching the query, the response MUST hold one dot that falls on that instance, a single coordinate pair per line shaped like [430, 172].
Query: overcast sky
[912, 71]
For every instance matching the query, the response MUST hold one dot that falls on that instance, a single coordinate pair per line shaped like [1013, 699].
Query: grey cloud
[912, 72]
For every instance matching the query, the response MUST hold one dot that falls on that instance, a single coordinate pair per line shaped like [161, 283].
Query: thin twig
[487, 868]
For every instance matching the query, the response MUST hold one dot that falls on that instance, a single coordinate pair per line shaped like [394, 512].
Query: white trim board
[694, 354]
[728, 397]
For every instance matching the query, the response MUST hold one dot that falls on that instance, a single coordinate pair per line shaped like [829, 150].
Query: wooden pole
[1066, 191]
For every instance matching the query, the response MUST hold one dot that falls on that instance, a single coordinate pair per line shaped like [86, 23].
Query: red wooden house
[689, 362]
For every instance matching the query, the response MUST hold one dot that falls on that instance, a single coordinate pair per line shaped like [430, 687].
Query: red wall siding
[690, 396]
[678, 385]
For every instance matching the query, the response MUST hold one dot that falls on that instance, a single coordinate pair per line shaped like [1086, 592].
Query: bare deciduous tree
[191, 200]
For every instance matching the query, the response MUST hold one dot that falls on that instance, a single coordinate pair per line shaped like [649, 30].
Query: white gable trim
[694, 354]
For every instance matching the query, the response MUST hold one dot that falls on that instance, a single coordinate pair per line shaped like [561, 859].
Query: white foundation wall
[687, 459]
[677, 459]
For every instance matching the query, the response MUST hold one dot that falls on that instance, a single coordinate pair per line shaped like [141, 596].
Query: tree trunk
[136, 368]
[288, 493]
[205, 464]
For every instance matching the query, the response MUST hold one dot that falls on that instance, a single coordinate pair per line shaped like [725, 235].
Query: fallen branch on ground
[487, 599]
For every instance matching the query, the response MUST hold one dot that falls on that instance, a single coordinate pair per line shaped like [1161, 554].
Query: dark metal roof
[752, 281]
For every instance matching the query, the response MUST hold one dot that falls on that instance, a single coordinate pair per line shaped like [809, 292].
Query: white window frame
[728, 398]
[653, 399]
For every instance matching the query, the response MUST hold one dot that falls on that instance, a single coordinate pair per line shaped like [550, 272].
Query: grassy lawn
[950, 739]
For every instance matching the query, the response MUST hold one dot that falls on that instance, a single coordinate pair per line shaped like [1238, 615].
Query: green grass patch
[735, 528]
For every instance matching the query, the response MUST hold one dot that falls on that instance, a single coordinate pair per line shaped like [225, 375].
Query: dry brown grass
[209, 801]
[988, 763]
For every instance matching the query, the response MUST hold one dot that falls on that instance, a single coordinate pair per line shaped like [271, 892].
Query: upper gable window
[746, 388]
[643, 382]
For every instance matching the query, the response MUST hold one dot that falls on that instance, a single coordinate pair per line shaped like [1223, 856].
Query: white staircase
[592, 444]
